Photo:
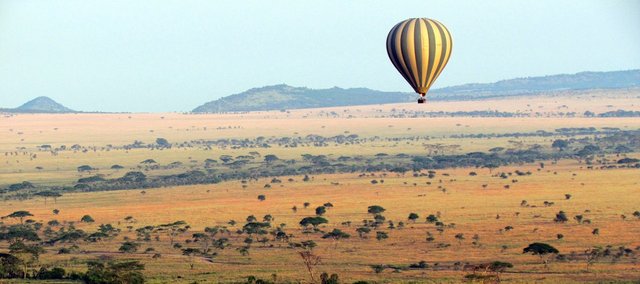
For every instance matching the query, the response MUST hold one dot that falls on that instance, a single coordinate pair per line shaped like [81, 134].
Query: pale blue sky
[173, 55]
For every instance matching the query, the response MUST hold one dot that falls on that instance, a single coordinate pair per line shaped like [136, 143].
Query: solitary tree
[413, 217]
[19, 215]
[47, 194]
[163, 142]
[432, 218]
[313, 221]
[375, 209]
[541, 250]
[87, 219]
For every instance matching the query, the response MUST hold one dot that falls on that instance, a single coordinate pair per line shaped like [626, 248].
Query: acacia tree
[413, 217]
[375, 209]
[313, 221]
[336, 235]
[48, 194]
[309, 259]
[498, 267]
[541, 250]
[19, 215]
[28, 254]
[593, 254]
[173, 229]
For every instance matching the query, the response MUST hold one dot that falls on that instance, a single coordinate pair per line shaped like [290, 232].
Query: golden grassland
[605, 193]
[24, 133]
[599, 195]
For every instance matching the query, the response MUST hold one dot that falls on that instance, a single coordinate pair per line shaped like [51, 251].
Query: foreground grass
[606, 194]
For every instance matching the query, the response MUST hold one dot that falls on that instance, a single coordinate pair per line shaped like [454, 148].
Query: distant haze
[174, 55]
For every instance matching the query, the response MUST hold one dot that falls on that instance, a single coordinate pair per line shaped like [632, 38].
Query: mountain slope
[530, 85]
[287, 97]
[40, 105]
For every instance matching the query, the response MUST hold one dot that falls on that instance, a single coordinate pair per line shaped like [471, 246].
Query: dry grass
[605, 193]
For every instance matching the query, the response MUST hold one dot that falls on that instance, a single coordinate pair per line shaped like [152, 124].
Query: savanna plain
[518, 190]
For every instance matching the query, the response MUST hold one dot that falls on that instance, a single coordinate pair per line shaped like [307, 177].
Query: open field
[485, 203]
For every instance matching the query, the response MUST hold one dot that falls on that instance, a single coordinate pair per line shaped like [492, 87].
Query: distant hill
[288, 97]
[532, 85]
[40, 105]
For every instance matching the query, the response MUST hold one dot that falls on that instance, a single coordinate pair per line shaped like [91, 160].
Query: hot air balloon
[419, 48]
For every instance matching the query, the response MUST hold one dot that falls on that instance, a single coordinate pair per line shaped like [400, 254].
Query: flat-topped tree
[336, 234]
[375, 209]
[541, 250]
[48, 194]
[313, 221]
[87, 219]
[19, 215]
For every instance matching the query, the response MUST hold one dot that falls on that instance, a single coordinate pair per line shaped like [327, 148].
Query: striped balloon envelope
[419, 48]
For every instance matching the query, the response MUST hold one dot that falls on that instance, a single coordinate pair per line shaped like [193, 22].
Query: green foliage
[21, 233]
[163, 142]
[126, 272]
[53, 273]
[336, 234]
[313, 221]
[129, 247]
[19, 215]
[560, 144]
[269, 159]
[561, 217]
[539, 249]
[256, 228]
[500, 266]
[381, 236]
[375, 209]
[10, 266]
[325, 278]
[320, 210]
[87, 219]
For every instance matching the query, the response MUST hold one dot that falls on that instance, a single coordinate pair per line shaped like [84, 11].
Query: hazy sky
[166, 55]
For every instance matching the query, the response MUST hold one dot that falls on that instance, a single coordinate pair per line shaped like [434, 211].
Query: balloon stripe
[401, 56]
[393, 50]
[408, 51]
[437, 51]
[442, 52]
[422, 45]
[417, 47]
[449, 42]
[432, 51]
